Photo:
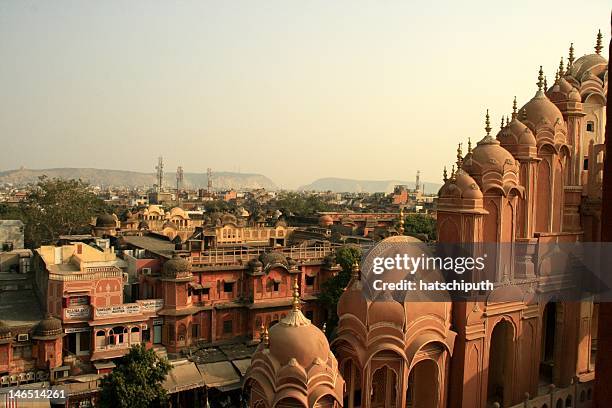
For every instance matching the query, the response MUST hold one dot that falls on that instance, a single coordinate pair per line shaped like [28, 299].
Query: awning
[277, 280]
[230, 280]
[183, 376]
[219, 374]
[195, 286]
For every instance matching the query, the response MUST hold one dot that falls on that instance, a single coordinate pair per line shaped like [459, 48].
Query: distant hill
[341, 185]
[105, 177]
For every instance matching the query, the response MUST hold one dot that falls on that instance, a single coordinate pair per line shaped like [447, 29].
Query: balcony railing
[232, 256]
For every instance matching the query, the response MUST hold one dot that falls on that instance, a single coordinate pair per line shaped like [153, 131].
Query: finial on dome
[514, 108]
[296, 295]
[262, 331]
[545, 83]
[401, 221]
[557, 76]
[469, 146]
[453, 173]
[459, 156]
[488, 124]
[445, 175]
[540, 82]
[503, 123]
[570, 59]
[355, 270]
[507, 120]
[598, 46]
[561, 69]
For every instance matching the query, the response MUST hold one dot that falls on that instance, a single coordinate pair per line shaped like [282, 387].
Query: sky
[294, 90]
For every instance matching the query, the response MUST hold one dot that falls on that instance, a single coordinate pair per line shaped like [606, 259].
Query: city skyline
[293, 93]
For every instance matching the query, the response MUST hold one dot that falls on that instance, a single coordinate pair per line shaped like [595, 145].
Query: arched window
[100, 339]
[135, 335]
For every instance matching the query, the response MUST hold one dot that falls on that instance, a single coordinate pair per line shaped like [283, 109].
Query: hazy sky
[295, 90]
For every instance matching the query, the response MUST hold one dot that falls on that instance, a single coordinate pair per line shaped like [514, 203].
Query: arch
[547, 347]
[423, 389]
[491, 223]
[289, 402]
[351, 373]
[501, 363]
[543, 196]
[182, 332]
[384, 388]
[135, 334]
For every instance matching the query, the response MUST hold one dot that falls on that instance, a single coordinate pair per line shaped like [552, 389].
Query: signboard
[151, 305]
[78, 301]
[117, 310]
[77, 312]
[77, 329]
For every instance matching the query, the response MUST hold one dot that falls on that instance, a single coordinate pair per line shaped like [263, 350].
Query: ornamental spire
[296, 295]
[598, 46]
[459, 156]
[445, 175]
[355, 270]
[453, 173]
[570, 59]
[514, 108]
[503, 123]
[540, 82]
[469, 145]
[401, 221]
[488, 124]
[561, 69]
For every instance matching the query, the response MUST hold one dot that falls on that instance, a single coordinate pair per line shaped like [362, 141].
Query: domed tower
[48, 333]
[519, 140]
[546, 122]
[293, 366]
[390, 352]
[175, 277]
[106, 224]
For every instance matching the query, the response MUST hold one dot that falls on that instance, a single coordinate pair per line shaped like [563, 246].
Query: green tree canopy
[56, 206]
[137, 380]
[421, 224]
[301, 204]
[332, 289]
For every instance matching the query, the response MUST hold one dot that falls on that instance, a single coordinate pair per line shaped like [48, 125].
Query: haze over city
[291, 90]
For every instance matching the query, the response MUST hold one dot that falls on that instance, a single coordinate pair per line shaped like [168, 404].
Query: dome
[178, 212]
[154, 209]
[489, 155]
[462, 185]
[49, 327]
[594, 63]
[295, 337]
[385, 309]
[540, 110]
[106, 221]
[563, 91]
[176, 267]
[5, 331]
[326, 220]
[516, 133]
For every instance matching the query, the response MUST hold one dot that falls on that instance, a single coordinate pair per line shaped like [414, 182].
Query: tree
[137, 380]
[421, 224]
[55, 207]
[332, 289]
